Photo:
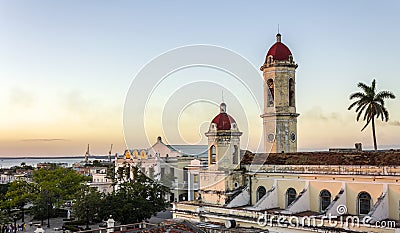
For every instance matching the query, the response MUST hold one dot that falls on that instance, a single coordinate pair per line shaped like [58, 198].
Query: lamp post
[87, 218]
[41, 215]
[48, 215]
[15, 222]
[85, 199]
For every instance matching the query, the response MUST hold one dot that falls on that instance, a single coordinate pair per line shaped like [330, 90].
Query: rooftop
[365, 158]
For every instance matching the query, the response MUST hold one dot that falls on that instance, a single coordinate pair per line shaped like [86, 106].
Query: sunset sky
[66, 67]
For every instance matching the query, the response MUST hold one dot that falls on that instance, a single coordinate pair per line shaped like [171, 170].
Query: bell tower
[223, 142]
[280, 117]
[221, 181]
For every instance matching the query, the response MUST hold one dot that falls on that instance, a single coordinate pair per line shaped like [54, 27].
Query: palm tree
[372, 104]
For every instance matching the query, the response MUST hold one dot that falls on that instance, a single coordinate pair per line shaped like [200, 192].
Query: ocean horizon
[8, 162]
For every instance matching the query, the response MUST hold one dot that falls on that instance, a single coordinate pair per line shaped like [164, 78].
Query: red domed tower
[280, 117]
[223, 141]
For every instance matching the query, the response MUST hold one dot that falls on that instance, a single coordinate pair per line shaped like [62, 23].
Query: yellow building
[285, 191]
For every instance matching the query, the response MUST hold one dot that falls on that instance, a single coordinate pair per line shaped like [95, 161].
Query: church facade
[283, 190]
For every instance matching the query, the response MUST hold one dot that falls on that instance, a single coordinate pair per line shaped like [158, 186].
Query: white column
[188, 185]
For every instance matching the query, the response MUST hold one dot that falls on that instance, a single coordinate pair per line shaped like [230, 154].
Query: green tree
[4, 209]
[44, 205]
[18, 195]
[372, 104]
[88, 204]
[63, 182]
[135, 199]
[3, 191]
[54, 186]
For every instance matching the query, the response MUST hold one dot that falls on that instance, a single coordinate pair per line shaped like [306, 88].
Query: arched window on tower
[213, 155]
[324, 200]
[235, 154]
[290, 196]
[269, 59]
[261, 191]
[270, 94]
[363, 203]
[290, 58]
[291, 93]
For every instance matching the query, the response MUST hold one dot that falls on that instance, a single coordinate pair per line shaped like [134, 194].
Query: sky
[66, 68]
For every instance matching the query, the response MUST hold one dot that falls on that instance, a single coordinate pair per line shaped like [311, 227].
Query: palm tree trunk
[373, 133]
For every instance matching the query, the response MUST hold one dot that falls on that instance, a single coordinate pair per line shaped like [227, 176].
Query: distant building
[12, 174]
[7, 178]
[100, 179]
[169, 164]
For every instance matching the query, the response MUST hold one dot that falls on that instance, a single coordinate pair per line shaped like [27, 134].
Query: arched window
[324, 200]
[235, 154]
[363, 203]
[290, 196]
[270, 94]
[290, 58]
[269, 59]
[213, 155]
[143, 154]
[291, 93]
[261, 191]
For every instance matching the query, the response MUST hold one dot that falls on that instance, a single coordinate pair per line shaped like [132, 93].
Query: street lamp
[48, 215]
[85, 201]
[15, 218]
[87, 218]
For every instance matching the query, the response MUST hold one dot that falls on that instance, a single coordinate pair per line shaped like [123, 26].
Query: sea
[6, 162]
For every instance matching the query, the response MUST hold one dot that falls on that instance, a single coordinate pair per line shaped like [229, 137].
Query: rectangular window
[185, 174]
[162, 171]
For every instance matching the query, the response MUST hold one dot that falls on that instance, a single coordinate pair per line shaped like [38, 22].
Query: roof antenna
[278, 36]
[222, 106]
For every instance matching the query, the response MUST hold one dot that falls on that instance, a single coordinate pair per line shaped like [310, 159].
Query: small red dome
[279, 51]
[223, 121]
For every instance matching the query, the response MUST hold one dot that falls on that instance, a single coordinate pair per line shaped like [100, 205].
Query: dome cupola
[279, 51]
[223, 121]
[278, 55]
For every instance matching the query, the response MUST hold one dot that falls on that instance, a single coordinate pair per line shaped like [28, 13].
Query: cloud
[318, 114]
[43, 139]
[385, 124]
[394, 123]
[75, 102]
[21, 98]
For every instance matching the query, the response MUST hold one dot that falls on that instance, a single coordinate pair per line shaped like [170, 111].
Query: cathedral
[283, 190]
